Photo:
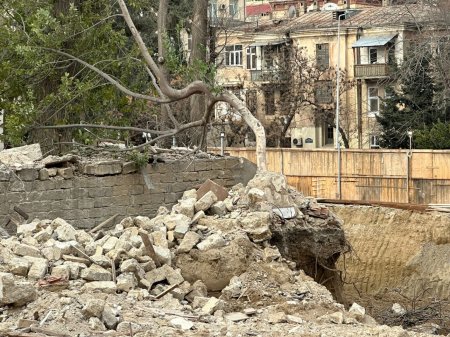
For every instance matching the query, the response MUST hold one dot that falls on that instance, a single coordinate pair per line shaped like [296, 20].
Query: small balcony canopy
[373, 41]
[267, 43]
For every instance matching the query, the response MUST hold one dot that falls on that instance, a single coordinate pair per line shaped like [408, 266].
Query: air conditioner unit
[298, 142]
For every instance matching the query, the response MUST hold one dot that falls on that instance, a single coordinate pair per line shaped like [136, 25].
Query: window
[213, 11]
[233, 8]
[251, 101]
[322, 56]
[373, 100]
[329, 135]
[373, 55]
[323, 92]
[374, 144]
[270, 102]
[251, 58]
[233, 55]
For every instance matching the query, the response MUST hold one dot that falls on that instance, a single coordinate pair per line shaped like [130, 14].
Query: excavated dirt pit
[398, 256]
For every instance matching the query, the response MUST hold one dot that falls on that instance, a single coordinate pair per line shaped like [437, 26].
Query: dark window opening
[322, 56]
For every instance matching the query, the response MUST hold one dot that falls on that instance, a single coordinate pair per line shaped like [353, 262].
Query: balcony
[372, 70]
[267, 75]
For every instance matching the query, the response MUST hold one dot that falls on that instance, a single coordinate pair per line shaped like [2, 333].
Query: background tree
[421, 103]
[307, 93]
[411, 108]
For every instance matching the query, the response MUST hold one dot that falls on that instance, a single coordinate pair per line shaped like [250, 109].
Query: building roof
[373, 41]
[258, 9]
[361, 18]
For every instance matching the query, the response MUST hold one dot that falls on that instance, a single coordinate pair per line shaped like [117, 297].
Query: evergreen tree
[411, 108]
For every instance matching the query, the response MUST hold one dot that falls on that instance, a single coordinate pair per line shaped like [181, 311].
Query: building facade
[371, 40]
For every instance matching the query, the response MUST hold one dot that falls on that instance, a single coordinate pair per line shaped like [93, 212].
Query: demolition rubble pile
[205, 268]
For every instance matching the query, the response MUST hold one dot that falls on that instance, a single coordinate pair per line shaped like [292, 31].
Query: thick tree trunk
[255, 125]
[199, 53]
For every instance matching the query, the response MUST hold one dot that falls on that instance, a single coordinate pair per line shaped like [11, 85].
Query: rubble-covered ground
[219, 263]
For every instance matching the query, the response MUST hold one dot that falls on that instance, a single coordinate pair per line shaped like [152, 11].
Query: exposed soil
[398, 256]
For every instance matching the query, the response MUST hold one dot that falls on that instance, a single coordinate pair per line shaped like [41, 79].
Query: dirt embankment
[395, 252]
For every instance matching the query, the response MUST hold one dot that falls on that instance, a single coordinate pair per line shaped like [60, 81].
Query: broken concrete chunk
[43, 235]
[163, 255]
[218, 208]
[28, 229]
[357, 310]
[256, 224]
[74, 268]
[66, 247]
[189, 194]
[181, 323]
[159, 239]
[197, 217]
[336, 318]
[188, 242]
[65, 232]
[96, 273]
[185, 207]
[172, 220]
[233, 289]
[101, 260]
[101, 286]
[96, 324]
[198, 289]
[110, 317]
[51, 253]
[126, 282]
[199, 302]
[271, 254]
[212, 241]
[236, 316]
[93, 308]
[294, 319]
[127, 222]
[61, 271]
[256, 195]
[181, 230]
[398, 309]
[211, 186]
[13, 292]
[22, 155]
[205, 202]
[83, 237]
[276, 317]
[38, 269]
[110, 244]
[18, 266]
[164, 273]
[212, 305]
[26, 250]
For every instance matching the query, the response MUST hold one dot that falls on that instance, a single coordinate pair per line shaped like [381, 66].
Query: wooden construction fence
[398, 176]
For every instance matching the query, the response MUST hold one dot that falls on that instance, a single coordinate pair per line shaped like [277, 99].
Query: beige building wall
[360, 125]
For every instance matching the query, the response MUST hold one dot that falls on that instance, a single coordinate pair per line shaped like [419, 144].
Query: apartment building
[372, 39]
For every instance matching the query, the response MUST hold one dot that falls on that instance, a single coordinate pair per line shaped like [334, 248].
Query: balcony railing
[267, 75]
[371, 70]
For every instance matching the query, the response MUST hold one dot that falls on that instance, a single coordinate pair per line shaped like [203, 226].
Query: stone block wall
[96, 192]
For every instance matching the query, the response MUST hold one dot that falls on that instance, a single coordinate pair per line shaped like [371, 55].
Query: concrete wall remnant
[92, 194]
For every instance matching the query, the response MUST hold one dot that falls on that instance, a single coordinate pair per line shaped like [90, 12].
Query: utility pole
[338, 81]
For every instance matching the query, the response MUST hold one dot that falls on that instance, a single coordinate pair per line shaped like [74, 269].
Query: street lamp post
[338, 80]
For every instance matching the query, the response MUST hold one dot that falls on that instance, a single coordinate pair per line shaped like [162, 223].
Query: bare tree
[306, 94]
[168, 94]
